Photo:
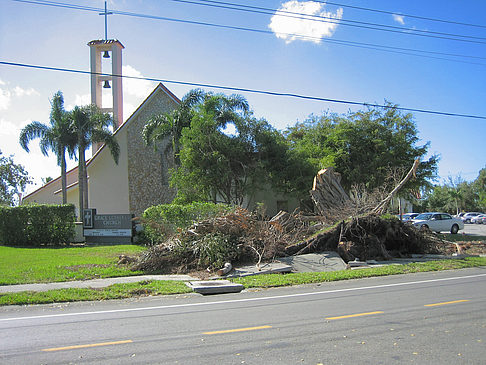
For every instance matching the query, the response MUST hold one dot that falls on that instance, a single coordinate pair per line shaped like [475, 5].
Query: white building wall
[107, 181]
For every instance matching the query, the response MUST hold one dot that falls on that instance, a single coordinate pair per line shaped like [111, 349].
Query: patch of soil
[472, 247]
[85, 266]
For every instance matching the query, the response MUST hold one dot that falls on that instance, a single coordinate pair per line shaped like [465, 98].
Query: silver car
[438, 222]
[466, 218]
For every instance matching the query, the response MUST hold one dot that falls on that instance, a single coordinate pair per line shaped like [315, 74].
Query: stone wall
[148, 177]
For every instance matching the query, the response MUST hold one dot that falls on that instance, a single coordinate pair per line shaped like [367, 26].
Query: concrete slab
[315, 262]
[215, 287]
[266, 268]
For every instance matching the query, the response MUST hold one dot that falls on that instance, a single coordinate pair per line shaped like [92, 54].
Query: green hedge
[161, 221]
[35, 225]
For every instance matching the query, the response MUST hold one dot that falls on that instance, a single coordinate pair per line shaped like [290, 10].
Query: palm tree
[91, 125]
[171, 124]
[57, 137]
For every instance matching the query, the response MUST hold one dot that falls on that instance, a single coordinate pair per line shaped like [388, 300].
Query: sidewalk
[95, 283]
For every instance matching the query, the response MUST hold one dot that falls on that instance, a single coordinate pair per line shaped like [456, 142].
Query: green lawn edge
[121, 291]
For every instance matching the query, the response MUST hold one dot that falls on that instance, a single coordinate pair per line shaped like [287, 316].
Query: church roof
[159, 87]
[105, 41]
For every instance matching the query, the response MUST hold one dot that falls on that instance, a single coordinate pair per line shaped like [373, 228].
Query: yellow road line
[237, 330]
[355, 315]
[445, 303]
[88, 345]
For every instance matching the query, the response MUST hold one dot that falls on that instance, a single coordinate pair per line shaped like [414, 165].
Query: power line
[403, 14]
[351, 23]
[377, 47]
[330, 19]
[239, 89]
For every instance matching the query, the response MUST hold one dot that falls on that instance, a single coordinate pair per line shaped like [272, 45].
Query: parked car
[438, 222]
[408, 216]
[479, 219]
[466, 218]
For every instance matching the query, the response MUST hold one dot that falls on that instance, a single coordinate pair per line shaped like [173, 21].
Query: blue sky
[315, 66]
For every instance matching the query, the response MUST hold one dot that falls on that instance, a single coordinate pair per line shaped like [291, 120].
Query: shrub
[35, 225]
[161, 221]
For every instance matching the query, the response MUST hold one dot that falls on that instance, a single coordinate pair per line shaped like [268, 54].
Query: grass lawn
[462, 238]
[119, 291]
[42, 265]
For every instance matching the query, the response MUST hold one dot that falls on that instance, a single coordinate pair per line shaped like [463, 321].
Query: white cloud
[8, 129]
[6, 94]
[82, 99]
[128, 109]
[399, 19]
[135, 87]
[18, 91]
[296, 27]
[5, 98]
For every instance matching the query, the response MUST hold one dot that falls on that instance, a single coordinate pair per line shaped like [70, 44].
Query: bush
[162, 221]
[36, 225]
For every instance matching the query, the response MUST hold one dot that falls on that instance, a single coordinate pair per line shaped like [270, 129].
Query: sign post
[107, 228]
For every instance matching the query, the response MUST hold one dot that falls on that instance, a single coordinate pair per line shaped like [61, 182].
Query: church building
[141, 177]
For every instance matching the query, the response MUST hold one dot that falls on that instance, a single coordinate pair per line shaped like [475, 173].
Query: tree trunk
[63, 178]
[380, 208]
[327, 192]
[81, 167]
[85, 184]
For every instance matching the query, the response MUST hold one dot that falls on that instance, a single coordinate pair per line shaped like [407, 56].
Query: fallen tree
[370, 237]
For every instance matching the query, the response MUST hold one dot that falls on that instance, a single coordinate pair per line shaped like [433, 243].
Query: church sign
[107, 228]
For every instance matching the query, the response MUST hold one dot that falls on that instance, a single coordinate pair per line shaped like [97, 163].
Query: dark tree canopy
[365, 146]
[227, 154]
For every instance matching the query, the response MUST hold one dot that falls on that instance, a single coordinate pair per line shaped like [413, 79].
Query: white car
[466, 218]
[438, 222]
[407, 216]
[479, 219]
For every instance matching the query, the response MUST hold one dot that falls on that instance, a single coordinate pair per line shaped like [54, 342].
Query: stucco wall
[147, 169]
[108, 182]
[51, 192]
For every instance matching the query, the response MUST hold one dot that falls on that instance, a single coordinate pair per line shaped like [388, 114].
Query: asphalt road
[426, 318]
[474, 229]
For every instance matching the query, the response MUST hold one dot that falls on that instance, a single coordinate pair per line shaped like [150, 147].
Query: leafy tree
[219, 164]
[57, 137]
[480, 187]
[13, 180]
[441, 199]
[171, 124]
[91, 125]
[365, 146]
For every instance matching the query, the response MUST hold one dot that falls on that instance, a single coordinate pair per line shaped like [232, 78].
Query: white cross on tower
[106, 13]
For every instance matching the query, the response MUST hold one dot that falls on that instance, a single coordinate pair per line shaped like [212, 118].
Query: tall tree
[480, 187]
[365, 146]
[91, 125]
[13, 180]
[171, 124]
[57, 137]
[227, 154]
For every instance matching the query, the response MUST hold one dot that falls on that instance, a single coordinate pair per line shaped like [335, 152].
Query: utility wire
[403, 14]
[329, 19]
[377, 47]
[403, 31]
[239, 89]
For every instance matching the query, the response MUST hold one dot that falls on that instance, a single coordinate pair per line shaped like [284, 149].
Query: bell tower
[100, 79]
